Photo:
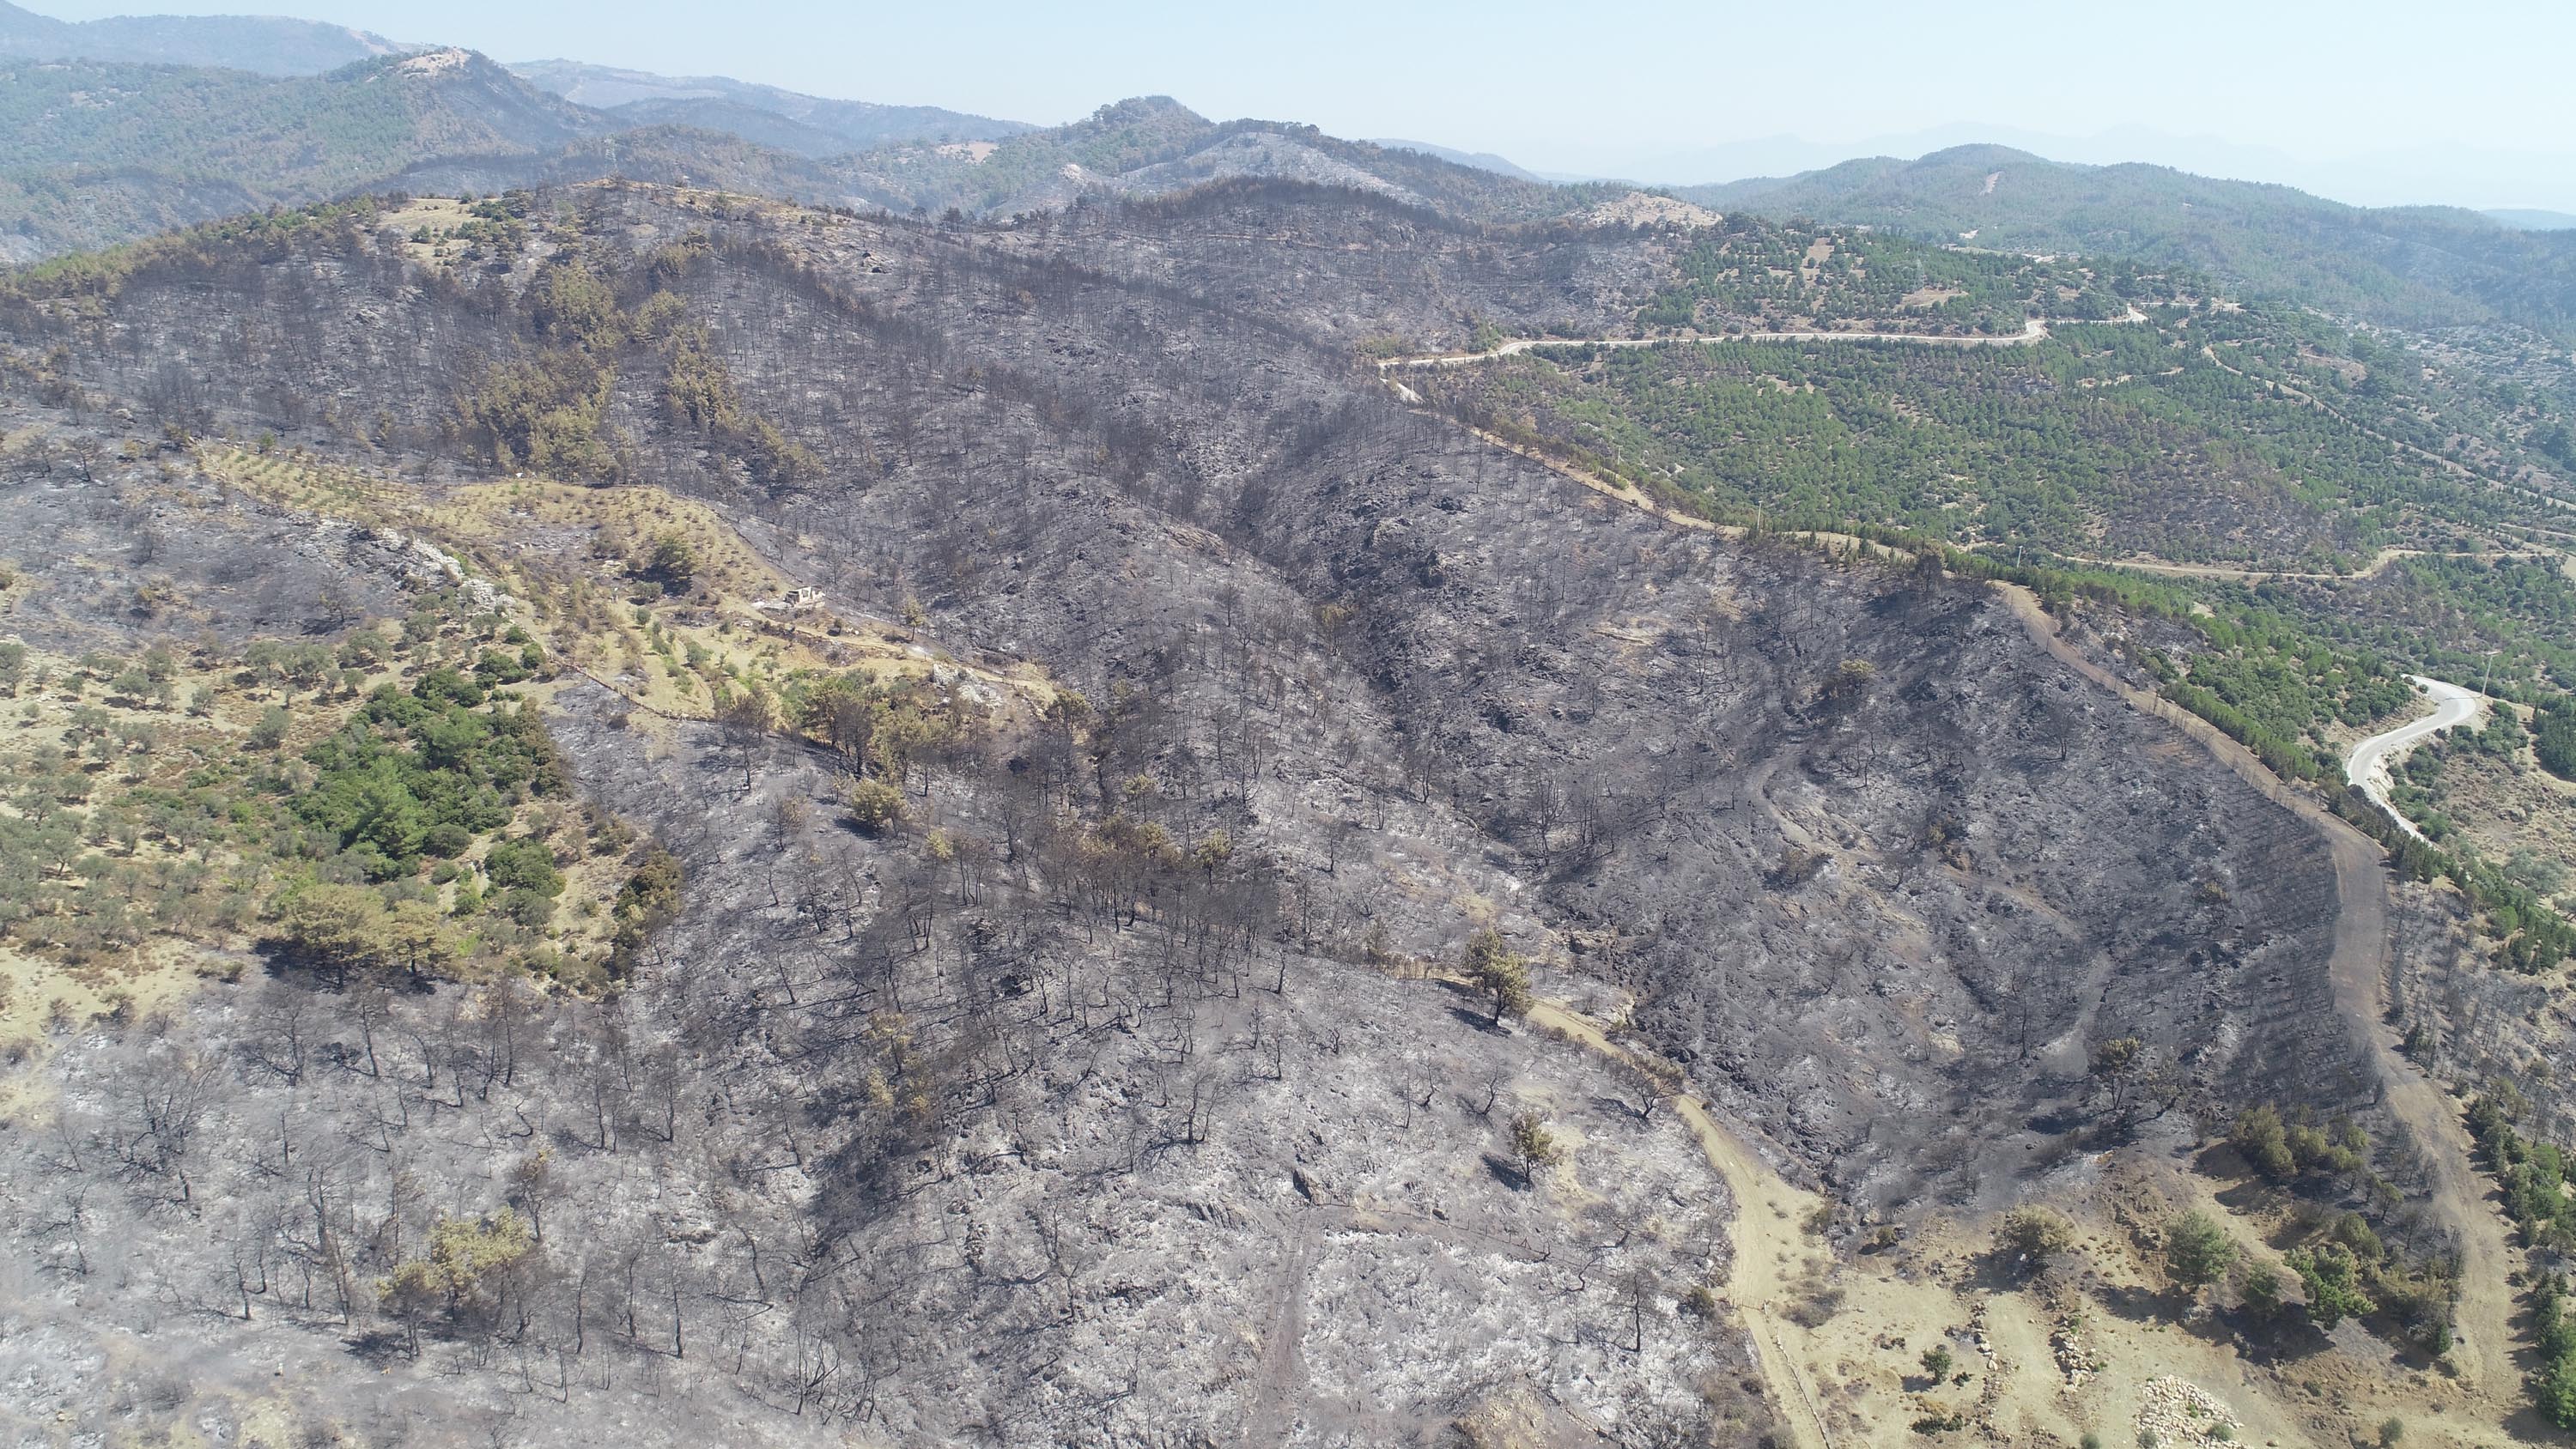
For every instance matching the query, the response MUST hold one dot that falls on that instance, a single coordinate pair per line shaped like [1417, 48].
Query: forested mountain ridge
[811, 126]
[98, 153]
[1150, 145]
[1481, 160]
[2411, 266]
[93, 152]
[265, 44]
[2130, 428]
[294, 134]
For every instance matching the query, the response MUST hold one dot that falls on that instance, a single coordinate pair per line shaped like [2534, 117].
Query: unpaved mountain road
[2031, 331]
[2452, 466]
[2378, 565]
[2034, 330]
[2372, 759]
[2359, 969]
[1772, 1249]
[1771, 1245]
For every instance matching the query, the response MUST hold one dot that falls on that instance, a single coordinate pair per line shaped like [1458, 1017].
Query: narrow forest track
[2358, 967]
[2379, 564]
[1772, 1250]
[2033, 330]
[1282, 1375]
[1767, 1236]
[2452, 466]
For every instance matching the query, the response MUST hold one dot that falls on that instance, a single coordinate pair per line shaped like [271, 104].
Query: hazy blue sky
[2478, 90]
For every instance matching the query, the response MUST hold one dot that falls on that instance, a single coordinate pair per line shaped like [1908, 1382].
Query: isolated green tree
[2197, 1250]
[1533, 1147]
[874, 804]
[2260, 1289]
[673, 563]
[1492, 966]
[270, 731]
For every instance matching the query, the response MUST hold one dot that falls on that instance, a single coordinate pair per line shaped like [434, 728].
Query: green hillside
[277, 136]
[2411, 266]
[93, 152]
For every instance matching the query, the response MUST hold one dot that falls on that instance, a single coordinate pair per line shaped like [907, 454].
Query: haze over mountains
[106, 149]
[810, 126]
[1481, 160]
[265, 44]
[2529, 220]
[2426, 265]
[2485, 173]
[96, 152]
[204, 173]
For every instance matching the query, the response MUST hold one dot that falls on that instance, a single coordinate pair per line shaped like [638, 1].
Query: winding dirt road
[1772, 1250]
[2359, 970]
[2379, 564]
[1766, 1237]
[2034, 330]
[2452, 466]
[2372, 759]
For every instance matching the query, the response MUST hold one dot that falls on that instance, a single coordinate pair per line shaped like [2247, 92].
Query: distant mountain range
[2423, 266]
[164, 121]
[1481, 160]
[2482, 172]
[809, 126]
[96, 152]
[93, 152]
[267, 45]
[2523, 220]
[1152, 145]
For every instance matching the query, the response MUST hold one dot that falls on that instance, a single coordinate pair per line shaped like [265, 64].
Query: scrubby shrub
[270, 731]
[874, 804]
[1533, 1147]
[2034, 1235]
[524, 865]
[2260, 1291]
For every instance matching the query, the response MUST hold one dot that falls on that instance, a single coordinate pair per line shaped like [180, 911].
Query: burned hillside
[1096, 1091]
